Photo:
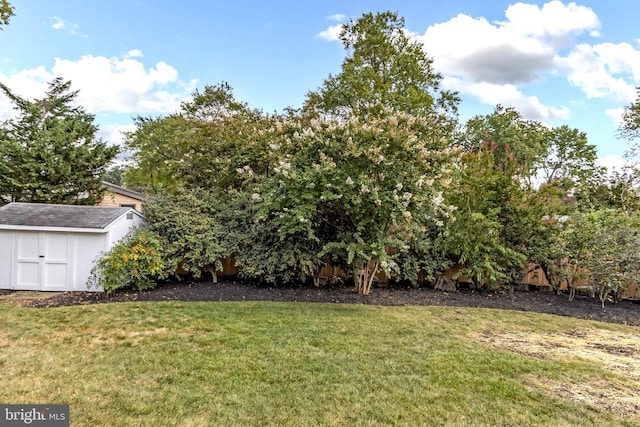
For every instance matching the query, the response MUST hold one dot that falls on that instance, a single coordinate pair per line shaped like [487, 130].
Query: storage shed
[53, 247]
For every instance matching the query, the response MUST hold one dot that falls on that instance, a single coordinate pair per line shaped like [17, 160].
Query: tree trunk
[365, 276]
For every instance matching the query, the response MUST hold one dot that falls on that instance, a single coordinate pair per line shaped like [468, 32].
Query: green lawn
[297, 364]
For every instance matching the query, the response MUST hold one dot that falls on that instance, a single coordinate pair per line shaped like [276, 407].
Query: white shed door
[43, 261]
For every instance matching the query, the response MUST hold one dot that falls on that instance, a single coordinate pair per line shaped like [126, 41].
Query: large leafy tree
[489, 200]
[503, 217]
[384, 70]
[50, 152]
[569, 161]
[201, 146]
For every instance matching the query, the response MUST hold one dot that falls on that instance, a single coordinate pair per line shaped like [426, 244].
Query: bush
[135, 261]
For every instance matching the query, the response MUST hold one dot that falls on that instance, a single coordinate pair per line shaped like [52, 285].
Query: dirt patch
[626, 312]
[613, 351]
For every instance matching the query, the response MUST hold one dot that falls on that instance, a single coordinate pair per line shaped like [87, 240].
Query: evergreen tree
[49, 152]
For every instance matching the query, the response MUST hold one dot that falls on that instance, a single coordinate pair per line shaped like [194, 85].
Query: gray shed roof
[64, 216]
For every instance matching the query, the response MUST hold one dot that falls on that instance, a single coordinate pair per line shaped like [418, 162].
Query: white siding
[88, 248]
[122, 226]
[6, 258]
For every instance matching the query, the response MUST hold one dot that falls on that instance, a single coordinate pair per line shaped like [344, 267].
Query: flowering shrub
[357, 187]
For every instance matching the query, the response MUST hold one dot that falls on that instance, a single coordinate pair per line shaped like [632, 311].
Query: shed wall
[6, 258]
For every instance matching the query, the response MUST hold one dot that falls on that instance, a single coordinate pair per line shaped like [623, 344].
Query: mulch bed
[626, 312]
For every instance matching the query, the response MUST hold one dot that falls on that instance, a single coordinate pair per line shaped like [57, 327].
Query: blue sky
[574, 63]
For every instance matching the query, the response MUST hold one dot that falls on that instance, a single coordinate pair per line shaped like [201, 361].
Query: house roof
[59, 216]
[123, 191]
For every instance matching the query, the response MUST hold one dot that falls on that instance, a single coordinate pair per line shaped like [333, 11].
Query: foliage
[486, 197]
[617, 190]
[570, 160]
[611, 255]
[630, 126]
[135, 261]
[373, 175]
[384, 70]
[356, 188]
[189, 231]
[6, 12]
[199, 147]
[49, 152]
[512, 140]
[114, 175]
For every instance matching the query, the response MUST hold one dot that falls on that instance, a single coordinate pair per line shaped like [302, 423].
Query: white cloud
[338, 17]
[553, 19]
[123, 85]
[134, 53]
[615, 114]
[612, 162]
[106, 85]
[64, 25]
[603, 70]
[58, 23]
[508, 95]
[330, 34]
[114, 134]
[492, 60]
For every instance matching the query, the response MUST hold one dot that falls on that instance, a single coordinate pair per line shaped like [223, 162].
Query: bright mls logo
[34, 415]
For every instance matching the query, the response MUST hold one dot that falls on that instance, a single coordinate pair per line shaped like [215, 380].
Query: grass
[286, 364]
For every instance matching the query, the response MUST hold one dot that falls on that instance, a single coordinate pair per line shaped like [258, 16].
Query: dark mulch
[626, 312]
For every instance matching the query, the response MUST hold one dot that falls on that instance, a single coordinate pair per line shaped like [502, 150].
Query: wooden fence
[532, 275]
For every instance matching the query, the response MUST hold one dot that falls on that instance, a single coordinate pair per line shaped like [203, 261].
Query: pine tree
[49, 152]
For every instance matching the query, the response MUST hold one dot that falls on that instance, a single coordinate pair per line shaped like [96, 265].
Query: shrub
[135, 261]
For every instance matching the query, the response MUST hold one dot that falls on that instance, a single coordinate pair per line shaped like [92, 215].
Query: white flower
[349, 181]
[255, 197]
[284, 165]
[407, 196]
[363, 189]
[399, 186]
[438, 199]
[378, 202]
[407, 215]
[439, 223]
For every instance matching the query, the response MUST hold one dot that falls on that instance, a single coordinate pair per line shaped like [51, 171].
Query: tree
[610, 254]
[6, 12]
[617, 190]
[384, 70]
[49, 152]
[201, 146]
[509, 137]
[487, 198]
[114, 175]
[569, 160]
[357, 188]
[630, 126]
